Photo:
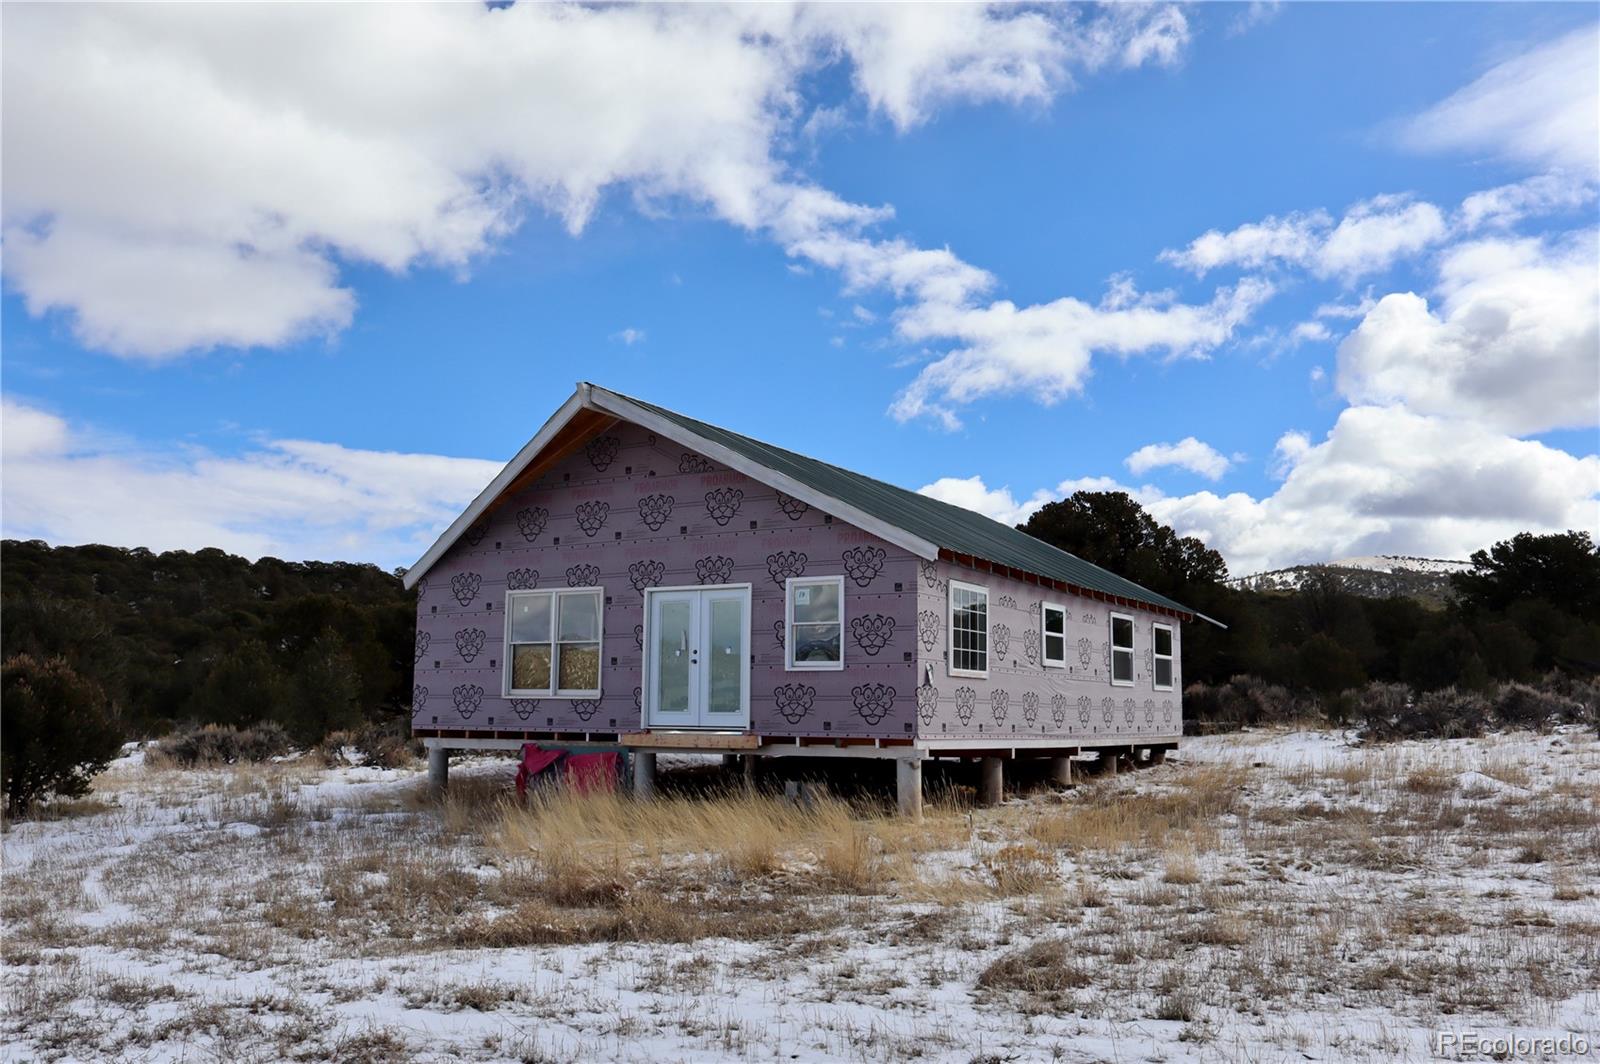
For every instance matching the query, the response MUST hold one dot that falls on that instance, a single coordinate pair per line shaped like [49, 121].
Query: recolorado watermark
[1467, 1045]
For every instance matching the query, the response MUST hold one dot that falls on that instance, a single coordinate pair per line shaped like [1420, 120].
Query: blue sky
[303, 308]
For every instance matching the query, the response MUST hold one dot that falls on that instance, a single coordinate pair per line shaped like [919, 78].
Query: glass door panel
[675, 680]
[725, 656]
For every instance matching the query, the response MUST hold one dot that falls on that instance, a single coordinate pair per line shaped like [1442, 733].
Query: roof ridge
[952, 513]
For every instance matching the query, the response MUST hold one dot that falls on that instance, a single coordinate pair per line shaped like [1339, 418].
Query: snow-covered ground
[1266, 896]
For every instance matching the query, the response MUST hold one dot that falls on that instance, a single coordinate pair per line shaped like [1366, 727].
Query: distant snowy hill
[1375, 576]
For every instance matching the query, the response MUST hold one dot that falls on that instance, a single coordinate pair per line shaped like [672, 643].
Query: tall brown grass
[576, 838]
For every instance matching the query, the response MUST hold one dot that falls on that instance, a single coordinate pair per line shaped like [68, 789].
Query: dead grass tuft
[1044, 969]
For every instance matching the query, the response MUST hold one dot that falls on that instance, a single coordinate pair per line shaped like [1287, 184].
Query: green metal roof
[952, 527]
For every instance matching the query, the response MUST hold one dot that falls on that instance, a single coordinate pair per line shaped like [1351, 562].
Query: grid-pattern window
[1053, 621]
[553, 643]
[815, 610]
[969, 630]
[1122, 650]
[1161, 642]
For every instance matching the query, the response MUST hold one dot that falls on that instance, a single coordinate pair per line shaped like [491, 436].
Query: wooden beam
[690, 740]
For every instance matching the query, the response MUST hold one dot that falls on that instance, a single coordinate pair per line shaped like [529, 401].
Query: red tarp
[584, 772]
[534, 761]
[592, 772]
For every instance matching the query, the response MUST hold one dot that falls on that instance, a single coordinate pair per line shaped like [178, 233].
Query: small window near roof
[1122, 650]
[1053, 625]
[969, 630]
[1161, 641]
[814, 607]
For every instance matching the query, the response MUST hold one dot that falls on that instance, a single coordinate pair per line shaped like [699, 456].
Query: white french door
[697, 658]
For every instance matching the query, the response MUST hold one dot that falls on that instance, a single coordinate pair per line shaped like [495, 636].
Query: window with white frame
[553, 643]
[814, 616]
[969, 630]
[1122, 650]
[1053, 628]
[1161, 643]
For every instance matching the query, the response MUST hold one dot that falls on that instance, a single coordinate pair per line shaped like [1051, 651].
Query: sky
[1309, 281]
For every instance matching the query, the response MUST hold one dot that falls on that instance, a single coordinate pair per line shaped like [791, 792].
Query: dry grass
[1108, 818]
[1214, 897]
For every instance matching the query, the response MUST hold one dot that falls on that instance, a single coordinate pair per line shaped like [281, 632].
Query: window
[814, 613]
[1161, 641]
[1053, 626]
[969, 630]
[1122, 650]
[553, 643]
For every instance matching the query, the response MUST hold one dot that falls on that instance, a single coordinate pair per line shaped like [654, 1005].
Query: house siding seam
[683, 521]
[1023, 699]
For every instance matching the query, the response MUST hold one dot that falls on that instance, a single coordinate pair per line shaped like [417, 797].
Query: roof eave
[623, 407]
[485, 498]
[593, 397]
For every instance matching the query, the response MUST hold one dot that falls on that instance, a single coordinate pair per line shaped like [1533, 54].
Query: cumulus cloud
[971, 493]
[1376, 233]
[1507, 205]
[1188, 453]
[211, 191]
[294, 499]
[1371, 237]
[1045, 350]
[1383, 481]
[1541, 107]
[1386, 480]
[26, 430]
[629, 336]
[1512, 342]
[1293, 238]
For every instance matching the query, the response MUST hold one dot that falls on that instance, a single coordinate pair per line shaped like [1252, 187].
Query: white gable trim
[488, 495]
[627, 410]
[592, 397]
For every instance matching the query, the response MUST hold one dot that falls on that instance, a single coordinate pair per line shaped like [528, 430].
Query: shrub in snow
[1584, 690]
[1379, 705]
[1245, 701]
[59, 731]
[1521, 706]
[1448, 713]
[226, 745]
[380, 745]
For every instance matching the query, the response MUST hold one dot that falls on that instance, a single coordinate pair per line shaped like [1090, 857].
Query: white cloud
[1359, 309]
[1383, 481]
[1045, 350]
[907, 64]
[1507, 205]
[1256, 13]
[1386, 480]
[1513, 341]
[629, 336]
[1376, 233]
[1309, 332]
[27, 430]
[225, 163]
[295, 499]
[1541, 107]
[1291, 448]
[1291, 239]
[1188, 453]
[1371, 237]
[971, 493]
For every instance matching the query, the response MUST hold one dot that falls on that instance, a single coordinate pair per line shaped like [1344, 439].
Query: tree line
[103, 642]
[1527, 606]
